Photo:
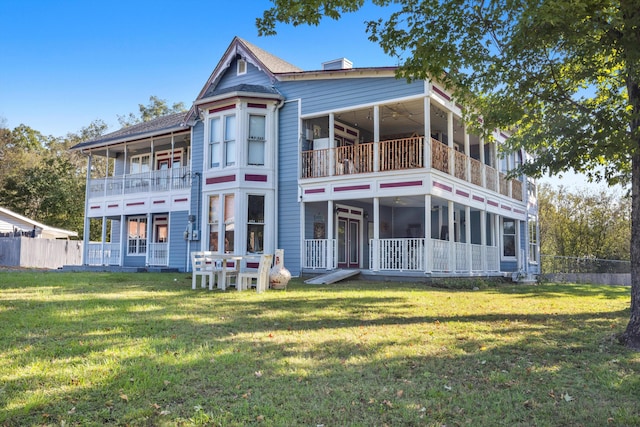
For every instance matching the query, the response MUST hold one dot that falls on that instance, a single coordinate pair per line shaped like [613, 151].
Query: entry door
[348, 242]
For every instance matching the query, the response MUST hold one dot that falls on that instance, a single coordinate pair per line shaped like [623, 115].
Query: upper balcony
[177, 178]
[404, 154]
[340, 144]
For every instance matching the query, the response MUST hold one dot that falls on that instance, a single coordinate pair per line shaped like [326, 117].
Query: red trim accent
[255, 178]
[352, 132]
[503, 135]
[400, 184]
[253, 264]
[478, 198]
[342, 210]
[519, 211]
[441, 93]
[314, 190]
[226, 107]
[158, 202]
[506, 208]
[492, 203]
[252, 105]
[181, 200]
[161, 218]
[220, 179]
[135, 204]
[336, 126]
[442, 186]
[95, 207]
[112, 206]
[353, 187]
[462, 193]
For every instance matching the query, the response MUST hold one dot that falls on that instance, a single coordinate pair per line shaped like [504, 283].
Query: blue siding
[323, 95]
[288, 205]
[253, 76]
[197, 154]
[177, 245]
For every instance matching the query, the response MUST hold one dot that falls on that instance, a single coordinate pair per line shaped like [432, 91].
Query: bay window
[257, 138]
[255, 224]
[214, 222]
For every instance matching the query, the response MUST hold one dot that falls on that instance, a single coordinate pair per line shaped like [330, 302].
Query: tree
[562, 75]
[584, 223]
[155, 108]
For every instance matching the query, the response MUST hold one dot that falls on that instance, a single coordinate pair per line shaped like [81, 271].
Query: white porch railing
[461, 257]
[103, 254]
[493, 259]
[440, 258]
[400, 254]
[158, 254]
[158, 180]
[477, 255]
[320, 254]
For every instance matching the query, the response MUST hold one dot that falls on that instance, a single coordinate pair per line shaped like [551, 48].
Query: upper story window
[242, 67]
[222, 141]
[257, 139]
[140, 163]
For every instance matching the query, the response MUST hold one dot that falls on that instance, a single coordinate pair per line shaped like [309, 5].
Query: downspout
[276, 170]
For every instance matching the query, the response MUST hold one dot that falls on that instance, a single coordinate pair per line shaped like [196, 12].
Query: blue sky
[64, 64]
[67, 63]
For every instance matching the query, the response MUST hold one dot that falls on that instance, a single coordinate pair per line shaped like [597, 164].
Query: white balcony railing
[159, 180]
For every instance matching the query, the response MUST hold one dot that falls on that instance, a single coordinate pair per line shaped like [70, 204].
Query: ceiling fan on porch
[398, 201]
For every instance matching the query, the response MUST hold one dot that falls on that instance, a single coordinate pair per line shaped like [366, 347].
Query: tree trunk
[631, 336]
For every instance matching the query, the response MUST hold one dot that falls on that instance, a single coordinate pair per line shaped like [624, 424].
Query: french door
[349, 241]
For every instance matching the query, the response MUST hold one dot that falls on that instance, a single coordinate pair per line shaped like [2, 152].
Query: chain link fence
[563, 264]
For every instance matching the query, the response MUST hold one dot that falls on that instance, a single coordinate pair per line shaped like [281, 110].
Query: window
[257, 138]
[215, 147]
[508, 237]
[214, 222]
[255, 224]
[242, 67]
[230, 140]
[137, 239]
[533, 239]
[229, 222]
[140, 163]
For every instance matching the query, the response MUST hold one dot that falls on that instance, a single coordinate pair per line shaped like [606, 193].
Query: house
[342, 167]
[14, 225]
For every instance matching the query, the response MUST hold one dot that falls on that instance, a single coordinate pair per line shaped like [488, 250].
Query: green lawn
[144, 349]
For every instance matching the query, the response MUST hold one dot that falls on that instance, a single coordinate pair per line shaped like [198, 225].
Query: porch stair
[332, 277]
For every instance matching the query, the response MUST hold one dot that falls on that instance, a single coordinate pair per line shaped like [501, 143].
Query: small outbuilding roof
[11, 221]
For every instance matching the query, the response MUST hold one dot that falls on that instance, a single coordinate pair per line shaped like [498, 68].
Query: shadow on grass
[336, 355]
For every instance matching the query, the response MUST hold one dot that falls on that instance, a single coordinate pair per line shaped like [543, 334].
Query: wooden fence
[39, 253]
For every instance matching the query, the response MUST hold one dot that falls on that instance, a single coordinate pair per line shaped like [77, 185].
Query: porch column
[330, 236]
[518, 250]
[303, 249]
[124, 168]
[124, 242]
[149, 238]
[452, 237]
[496, 236]
[452, 155]
[483, 238]
[496, 163]
[103, 239]
[106, 175]
[483, 176]
[332, 145]
[467, 153]
[87, 222]
[427, 233]
[375, 262]
[427, 128]
[467, 236]
[171, 162]
[376, 138]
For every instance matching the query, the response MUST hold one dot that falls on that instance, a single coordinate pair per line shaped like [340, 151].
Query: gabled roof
[11, 220]
[158, 126]
[270, 62]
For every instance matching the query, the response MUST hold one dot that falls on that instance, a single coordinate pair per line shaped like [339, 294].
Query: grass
[146, 350]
